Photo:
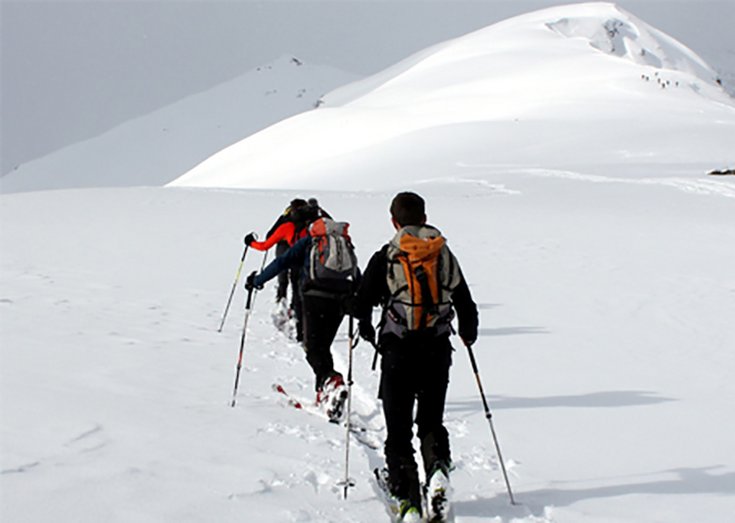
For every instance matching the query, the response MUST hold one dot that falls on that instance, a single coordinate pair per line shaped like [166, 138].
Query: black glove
[250, 238]
[468, 335]
[468, 340]
[250, 282]
[367, 332]
[348, 304]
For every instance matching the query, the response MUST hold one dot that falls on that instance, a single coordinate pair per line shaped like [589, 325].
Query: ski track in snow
[323, 477]
[477, 461]
[702, 187]
[87, 441]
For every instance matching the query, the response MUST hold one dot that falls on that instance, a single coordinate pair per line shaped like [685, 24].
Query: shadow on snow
[699, 480]
[602, 399]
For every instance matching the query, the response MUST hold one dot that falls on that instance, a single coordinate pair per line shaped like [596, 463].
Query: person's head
[295, 209]
[302, 213]
[297, 203]
[407, 208]
[313, 202]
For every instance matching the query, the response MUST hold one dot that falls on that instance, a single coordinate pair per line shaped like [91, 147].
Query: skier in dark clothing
[322, 301]
[418, 298]
[295, 212]
[321, 213]
[282, 246]
[285, 232]
[284, 237]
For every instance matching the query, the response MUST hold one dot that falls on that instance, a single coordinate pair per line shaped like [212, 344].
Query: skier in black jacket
[414, 344]
[293, 213]
[322, 301]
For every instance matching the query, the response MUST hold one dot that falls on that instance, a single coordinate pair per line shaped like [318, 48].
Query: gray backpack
[332, 260]
[422, 273]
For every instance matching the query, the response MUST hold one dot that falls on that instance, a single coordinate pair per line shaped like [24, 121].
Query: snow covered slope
[157, 147]
[587, 88]
[605, 348]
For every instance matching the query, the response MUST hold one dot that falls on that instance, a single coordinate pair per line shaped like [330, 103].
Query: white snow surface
[586, 88]
[605, 293]
[605, 349]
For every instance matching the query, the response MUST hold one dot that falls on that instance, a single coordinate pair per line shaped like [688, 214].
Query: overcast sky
[71, 70]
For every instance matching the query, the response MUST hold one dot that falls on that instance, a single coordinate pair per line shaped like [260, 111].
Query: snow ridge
[585, 88]
[626, 36]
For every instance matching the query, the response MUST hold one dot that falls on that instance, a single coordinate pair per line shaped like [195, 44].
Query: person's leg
[322, 317]
[296, 303]
[433, 373]
[397, 393]
[281, 247]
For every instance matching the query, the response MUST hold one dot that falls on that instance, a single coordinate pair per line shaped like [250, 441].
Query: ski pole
[489, 417]
[232, 292]
[262, 266]
[348, 482]
[242, 344]
[375, 356]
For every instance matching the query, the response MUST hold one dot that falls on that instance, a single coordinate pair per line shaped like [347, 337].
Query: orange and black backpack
[422, 273]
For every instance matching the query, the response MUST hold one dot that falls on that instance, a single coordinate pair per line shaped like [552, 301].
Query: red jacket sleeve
[284, 232]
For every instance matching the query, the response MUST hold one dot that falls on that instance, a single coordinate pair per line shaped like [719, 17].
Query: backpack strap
[427, 300]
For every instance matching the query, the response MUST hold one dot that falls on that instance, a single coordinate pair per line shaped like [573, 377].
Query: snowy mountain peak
[584, 88]
[621, 34]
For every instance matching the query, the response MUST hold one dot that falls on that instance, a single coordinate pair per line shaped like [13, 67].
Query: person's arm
[373, 287]
[283, 262]
[284, 232]
[467, 317]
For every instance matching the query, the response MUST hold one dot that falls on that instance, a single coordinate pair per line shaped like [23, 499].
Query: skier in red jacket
[290, 227]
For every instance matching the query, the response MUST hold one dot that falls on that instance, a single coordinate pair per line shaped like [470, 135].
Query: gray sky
[72, 69]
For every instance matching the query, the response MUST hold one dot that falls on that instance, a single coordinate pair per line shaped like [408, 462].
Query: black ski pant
[296, 302]
[322, 315]
[291, 275]
[282, 247]
[414, 372]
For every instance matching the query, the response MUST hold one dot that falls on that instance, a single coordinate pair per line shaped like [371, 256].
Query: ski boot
[438, 491]
[332, 397]
[408, 512]
[401, 510]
